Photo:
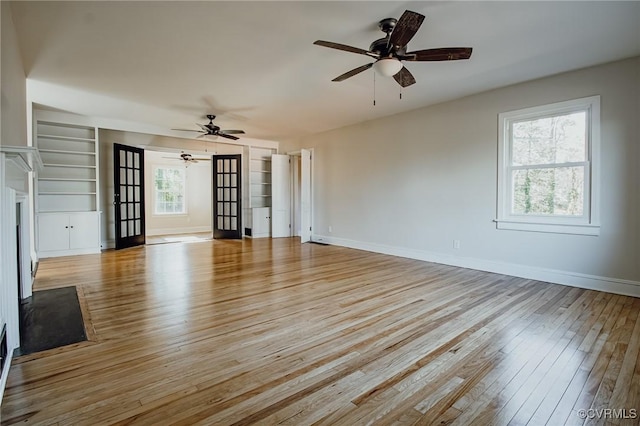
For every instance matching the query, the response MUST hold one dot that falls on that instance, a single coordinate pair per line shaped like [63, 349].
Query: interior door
[305, 196]
[280, 196]
[128, 184]
[227, 196]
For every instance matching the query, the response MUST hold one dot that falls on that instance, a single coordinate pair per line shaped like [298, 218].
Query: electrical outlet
[456, 244]
[330, 228]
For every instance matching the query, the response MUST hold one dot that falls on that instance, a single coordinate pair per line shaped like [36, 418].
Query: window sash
[161, 205]
[588, 221]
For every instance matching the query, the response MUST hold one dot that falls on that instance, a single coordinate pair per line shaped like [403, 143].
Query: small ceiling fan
[391, 50]
[211, 129]
[188, 158]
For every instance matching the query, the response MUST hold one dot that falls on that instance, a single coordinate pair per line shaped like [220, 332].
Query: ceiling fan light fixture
[388, 66]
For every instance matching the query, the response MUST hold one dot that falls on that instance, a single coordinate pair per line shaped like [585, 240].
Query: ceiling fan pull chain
[400, 92]
[374, 89]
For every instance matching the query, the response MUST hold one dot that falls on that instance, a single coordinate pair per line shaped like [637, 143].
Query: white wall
[13, 85]
[412, 183]
[13, 132]
[198, 196]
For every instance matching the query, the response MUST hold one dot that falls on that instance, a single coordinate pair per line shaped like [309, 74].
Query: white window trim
[184, 196]
[589, 223]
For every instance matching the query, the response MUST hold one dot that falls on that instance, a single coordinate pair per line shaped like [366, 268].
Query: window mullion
[550, 166]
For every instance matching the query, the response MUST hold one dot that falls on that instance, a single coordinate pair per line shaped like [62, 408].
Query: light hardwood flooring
[275, 332]
[195, 237]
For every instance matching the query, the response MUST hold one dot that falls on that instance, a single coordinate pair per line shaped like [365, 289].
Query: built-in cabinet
[67, 189]
[260, 177]
[64, 232]
[258, 213]
[261, 222]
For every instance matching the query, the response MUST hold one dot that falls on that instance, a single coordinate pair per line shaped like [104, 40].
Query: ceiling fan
[391, 50]
[211, 129]
[188, 158]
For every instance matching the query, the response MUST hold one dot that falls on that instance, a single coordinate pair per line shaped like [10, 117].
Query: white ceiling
[167, 64]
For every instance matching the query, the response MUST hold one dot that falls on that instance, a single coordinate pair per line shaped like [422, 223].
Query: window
[548, 168]
[169, 190]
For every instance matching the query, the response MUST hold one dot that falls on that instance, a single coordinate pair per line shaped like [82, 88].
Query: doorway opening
[292, 195]
[178, 196]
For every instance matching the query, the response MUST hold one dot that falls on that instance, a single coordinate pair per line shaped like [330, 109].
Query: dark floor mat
[50, 319]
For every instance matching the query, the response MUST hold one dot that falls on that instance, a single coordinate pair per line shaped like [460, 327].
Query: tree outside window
[548, 162]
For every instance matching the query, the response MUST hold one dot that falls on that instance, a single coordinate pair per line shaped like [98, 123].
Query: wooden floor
[194, 237]
[274, 332]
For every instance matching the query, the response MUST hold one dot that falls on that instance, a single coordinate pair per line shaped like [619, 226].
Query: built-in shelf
[259, 188]
[67, 193]
[67, 187]
[65, 138]
[69, 165]
[67, 179]
[60, 151]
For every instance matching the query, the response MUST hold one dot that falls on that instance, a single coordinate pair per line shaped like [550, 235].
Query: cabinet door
[261, 226]
[53, 231]
[84, 230]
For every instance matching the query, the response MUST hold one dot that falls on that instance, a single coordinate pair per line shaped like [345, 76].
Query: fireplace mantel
[26, 158]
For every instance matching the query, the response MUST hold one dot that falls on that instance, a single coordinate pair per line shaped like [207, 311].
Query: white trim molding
[26, 158]
[555, 276]
[5, 371]
[587, 223]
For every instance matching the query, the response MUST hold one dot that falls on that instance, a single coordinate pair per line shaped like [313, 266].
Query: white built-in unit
[68, 219]
[260, 222]
[258, 217]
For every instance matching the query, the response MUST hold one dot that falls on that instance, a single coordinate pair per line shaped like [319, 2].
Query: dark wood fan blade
[224, 135]
[202, 135]
[404, 77]
[407, 26]
[441, 54]
[353, 72]
[344, 47]
[188, 130]
[233, 132]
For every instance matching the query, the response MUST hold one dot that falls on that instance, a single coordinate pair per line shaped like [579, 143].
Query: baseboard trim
[574, 279]
[5, 373]
[181, 230]
[75, 252]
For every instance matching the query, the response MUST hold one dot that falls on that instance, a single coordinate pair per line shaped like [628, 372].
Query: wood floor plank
[277, 332]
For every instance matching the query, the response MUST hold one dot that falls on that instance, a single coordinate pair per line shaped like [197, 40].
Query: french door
[227, 196]
[128, 184]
